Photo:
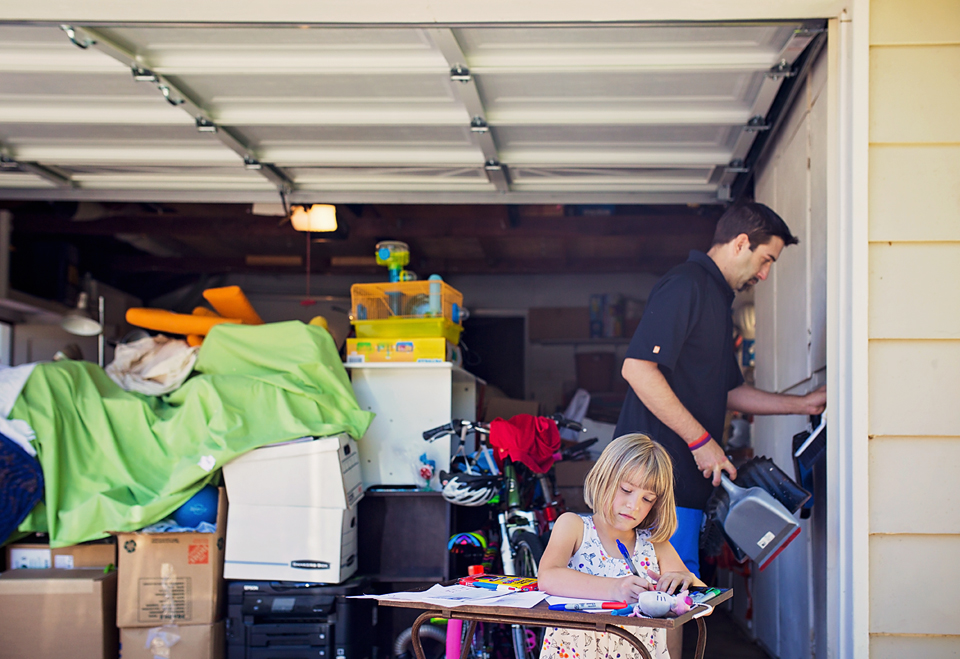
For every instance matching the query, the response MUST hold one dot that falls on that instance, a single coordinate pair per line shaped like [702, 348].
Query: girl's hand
[628, 589]
[672, 582]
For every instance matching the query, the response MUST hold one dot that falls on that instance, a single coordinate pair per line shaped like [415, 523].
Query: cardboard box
[291, 543]
[173, 578]
[58, 613]
[195, 642]
[323, 473]
[36, 556]
[558, 323]
[430, 349]
[505, 408]
[570, 475]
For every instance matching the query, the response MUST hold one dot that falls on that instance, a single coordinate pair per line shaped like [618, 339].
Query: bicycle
[523, 528]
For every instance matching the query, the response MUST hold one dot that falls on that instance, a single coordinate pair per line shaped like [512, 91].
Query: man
[682, 369]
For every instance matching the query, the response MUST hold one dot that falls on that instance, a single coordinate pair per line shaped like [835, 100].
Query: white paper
[457, 595]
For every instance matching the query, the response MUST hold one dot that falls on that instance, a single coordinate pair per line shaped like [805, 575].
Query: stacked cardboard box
[293, 511]
[41, 556]
[54, 613]
[169, 593]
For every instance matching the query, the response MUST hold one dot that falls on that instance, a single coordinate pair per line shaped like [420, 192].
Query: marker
[633, 568]
[493, 586]
[587, 606]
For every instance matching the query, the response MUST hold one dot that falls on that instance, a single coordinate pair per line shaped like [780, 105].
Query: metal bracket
[737, 167]
[724, 193]
[756, 124]
[478, 125]
[143, 75]
[460, 74]
[204, 125]
[167, 94]
[6, 162]
[249, 162]
[72, 36]
[781, 70]
[493, 166]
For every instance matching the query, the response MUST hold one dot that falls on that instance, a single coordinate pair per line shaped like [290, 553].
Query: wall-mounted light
[316, 217]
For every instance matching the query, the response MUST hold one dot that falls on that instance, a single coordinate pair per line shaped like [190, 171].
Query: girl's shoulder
[570, 525]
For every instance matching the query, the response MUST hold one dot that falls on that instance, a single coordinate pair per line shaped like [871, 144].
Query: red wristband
[704, 438]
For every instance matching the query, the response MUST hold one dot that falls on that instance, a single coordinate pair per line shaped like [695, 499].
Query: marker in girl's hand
[633, 568]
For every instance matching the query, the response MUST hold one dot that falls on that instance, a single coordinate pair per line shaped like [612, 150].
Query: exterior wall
[914, 326]
[789, 596]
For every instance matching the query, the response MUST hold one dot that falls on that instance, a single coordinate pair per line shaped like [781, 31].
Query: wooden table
[542, 616]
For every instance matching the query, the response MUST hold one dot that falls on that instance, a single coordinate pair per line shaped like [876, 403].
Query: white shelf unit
[409, 398]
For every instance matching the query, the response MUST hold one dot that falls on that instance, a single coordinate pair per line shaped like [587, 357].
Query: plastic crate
[406, 299]
[408, 328]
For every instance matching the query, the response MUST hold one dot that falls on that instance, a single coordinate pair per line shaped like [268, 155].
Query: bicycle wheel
[528, 550]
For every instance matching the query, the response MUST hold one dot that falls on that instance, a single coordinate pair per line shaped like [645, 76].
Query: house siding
[914, 327]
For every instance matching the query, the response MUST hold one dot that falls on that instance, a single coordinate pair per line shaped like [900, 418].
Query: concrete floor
[725, 640]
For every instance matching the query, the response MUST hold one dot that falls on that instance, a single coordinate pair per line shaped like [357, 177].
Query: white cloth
[12, 381]
[590, 557]
[153, 365]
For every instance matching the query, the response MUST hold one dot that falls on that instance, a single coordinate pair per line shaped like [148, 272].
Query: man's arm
[655, 393]
[751, 400]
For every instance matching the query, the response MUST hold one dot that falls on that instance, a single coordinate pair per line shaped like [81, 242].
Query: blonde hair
[639, 459]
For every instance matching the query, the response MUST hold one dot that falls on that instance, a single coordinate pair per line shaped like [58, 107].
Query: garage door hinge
[756, 124]
[781, 70]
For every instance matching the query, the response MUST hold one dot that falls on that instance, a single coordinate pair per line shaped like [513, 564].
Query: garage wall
[789, 596]
[914, 326]
[549, 368]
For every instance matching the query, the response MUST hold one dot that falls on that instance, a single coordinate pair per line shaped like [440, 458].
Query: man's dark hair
[756, 220]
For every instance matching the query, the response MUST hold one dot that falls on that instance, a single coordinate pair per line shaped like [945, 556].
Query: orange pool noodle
[193, 340]
[203, 311]
[162, 320]
[230, 302]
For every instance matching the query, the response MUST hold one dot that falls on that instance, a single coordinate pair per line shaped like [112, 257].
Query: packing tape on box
[168, 608]
[161, 639]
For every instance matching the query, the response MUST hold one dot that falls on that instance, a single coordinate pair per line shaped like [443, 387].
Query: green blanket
[119, 461]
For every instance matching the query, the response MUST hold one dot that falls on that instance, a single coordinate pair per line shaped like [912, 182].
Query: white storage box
[322, 473]
[290, 543]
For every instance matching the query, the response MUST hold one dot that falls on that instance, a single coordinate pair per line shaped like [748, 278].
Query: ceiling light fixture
[316, 217]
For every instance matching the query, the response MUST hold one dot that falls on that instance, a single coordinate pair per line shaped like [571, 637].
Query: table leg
[415, 633]
[465, 650]
[701, 638]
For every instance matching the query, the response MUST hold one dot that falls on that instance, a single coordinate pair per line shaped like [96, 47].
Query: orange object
[230, 302]
[203, 311]
[162, 320]
[193, 340]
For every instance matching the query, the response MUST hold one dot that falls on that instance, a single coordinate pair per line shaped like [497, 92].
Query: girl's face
[632, 502]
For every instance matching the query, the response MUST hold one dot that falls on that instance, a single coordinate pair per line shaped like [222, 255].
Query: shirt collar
[710, 266]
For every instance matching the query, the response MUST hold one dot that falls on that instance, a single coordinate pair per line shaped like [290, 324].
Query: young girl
[630, 491]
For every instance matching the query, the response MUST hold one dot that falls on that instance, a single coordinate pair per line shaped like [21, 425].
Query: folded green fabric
[118, 461]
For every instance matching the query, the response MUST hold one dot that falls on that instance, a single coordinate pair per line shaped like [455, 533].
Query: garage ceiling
[588, 148]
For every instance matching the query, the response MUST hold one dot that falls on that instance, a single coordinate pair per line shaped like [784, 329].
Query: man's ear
[741, 242]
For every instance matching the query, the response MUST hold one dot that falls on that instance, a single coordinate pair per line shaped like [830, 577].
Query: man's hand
[815, 402]
[712, 461]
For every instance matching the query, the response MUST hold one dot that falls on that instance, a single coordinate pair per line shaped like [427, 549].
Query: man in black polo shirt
[682, 369]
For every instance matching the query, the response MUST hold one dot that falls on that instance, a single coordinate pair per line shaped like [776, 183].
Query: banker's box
[324, 473]
[424, 349]
[171, 578]
[37, 556]
[291, 543]
[50, 614]
[193, 642]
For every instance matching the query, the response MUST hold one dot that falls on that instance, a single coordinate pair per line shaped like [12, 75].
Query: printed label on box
[198, 554]
[164, 600]
[63, 561]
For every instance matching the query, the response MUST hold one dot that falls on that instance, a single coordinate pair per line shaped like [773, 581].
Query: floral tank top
[590, 557]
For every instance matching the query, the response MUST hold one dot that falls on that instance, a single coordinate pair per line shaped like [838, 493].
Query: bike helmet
[468, 490]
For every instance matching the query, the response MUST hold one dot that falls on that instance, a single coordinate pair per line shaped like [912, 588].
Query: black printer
[291, 620]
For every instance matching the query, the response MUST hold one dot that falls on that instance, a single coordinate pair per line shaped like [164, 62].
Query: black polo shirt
[687, 329]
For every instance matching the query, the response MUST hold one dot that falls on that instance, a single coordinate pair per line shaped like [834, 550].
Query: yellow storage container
[424, 349]
[408, 309]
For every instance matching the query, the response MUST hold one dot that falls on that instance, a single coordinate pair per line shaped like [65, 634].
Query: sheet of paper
[556, 599]
[453, 596]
